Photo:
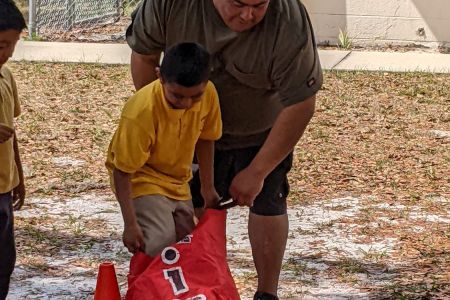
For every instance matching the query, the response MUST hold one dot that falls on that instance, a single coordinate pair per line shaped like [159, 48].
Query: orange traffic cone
[107, 287]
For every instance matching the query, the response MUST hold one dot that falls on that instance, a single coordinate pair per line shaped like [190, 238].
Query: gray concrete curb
[396, 62]
[330, 59]
[72, 52]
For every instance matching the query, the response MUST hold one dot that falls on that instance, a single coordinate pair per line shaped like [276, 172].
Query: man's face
[8, 40]
[241, 15]
[181, 97]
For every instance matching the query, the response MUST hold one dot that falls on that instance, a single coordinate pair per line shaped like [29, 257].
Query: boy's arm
[204, 150]
[6, 133]
[18, 191]
[133, 238]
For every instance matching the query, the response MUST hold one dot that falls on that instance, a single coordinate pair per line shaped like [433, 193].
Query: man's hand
[210, 196]
[6, 133]
[246, 185]
[133, 238]
[19, 196]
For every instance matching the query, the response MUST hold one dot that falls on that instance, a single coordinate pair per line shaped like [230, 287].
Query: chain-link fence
[88, 20]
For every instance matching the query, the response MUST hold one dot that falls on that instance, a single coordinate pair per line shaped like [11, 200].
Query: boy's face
[8, 40]
[181, 97]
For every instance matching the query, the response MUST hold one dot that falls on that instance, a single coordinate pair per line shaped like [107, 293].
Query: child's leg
[7, 245]
[154, 215]
[184, 218]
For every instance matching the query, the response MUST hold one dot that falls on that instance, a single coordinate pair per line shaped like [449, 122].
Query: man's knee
[270, 209]
[272, 201]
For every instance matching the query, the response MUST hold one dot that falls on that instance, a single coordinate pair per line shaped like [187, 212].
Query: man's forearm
[122, 184]
[286, 132]
[205, 156]
[143, 68]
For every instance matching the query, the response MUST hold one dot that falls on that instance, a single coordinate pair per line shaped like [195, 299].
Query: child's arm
[205, 156]
[6, 133]
[132, 237]
[18, 191]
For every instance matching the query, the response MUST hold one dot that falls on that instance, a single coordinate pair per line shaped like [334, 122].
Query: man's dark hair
[186, 64]
[10, 16]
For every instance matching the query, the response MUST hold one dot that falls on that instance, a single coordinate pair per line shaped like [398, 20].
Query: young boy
[12, 188]
[151, 152]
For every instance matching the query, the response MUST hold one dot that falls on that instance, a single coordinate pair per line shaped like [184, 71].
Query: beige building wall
[382, 22]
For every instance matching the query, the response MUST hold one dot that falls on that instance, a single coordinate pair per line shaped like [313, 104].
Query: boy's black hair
[10, 16]
[186, 64]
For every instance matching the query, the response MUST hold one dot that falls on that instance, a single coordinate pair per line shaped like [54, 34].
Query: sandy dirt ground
[324, 258]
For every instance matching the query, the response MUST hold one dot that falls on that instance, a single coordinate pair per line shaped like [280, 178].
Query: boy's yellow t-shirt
[156, 143]
[9, 109]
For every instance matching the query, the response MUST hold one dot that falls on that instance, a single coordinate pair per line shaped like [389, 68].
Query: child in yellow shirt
[150, 156]
[12, 188]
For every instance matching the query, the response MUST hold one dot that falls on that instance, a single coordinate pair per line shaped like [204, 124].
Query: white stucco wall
[382, 22]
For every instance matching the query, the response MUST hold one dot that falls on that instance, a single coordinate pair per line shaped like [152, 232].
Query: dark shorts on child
[7, 244]
[227, 163]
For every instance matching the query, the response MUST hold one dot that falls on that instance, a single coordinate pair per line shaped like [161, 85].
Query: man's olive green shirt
[257, 72]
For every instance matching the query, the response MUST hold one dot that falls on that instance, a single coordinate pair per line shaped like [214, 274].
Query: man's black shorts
[272, 199]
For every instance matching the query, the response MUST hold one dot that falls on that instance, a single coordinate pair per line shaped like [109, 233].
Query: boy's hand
[210, 196]
[6, 133]
[19, 196]
[133, 238]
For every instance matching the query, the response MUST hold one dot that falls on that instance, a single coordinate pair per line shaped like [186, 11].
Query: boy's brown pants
[163, 221]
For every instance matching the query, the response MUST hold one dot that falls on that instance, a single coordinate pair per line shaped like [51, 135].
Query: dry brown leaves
[371, 136]
[68, 111]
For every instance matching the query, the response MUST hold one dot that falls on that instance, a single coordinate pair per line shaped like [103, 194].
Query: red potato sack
[195, 268]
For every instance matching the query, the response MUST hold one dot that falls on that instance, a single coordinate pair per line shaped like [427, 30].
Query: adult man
[267, 72]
